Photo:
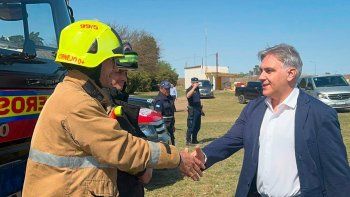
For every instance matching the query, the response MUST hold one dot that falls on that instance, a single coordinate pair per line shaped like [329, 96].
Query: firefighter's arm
[97, 134]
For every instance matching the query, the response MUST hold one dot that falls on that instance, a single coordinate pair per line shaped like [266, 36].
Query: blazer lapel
[300, 120]
[258, 118]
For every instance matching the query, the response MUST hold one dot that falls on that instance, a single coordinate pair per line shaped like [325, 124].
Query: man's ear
[292, 74]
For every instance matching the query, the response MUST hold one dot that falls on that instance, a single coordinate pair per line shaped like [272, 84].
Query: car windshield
[204, 83]
[32, 33]
[255, 84]
[330, 81]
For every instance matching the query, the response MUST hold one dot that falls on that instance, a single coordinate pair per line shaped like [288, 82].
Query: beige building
[218, 76]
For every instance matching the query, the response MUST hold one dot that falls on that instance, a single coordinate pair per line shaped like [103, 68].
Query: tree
[3, 38]
[34, 36]
[256, 70]
[138, 81]
[16, 40]
[151, 70]
[166, 72]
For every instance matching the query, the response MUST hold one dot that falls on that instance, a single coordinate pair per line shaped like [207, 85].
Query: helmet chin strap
[120, 95]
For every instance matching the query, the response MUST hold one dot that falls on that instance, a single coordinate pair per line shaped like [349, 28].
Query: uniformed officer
[194, 109]
[76, 147]
[165, 105]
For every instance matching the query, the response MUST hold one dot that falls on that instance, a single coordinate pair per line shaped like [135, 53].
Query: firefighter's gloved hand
[202, 113]
[147, 176]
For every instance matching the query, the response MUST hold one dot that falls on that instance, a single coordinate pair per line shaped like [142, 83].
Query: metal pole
[315, 67]
[206, 47]
[217, 69]
[202, 62]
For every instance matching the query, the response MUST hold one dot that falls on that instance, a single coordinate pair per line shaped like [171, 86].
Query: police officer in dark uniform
[194, 112]
[164, 104]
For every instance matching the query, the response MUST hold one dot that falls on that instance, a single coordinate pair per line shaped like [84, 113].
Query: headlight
[322, 96]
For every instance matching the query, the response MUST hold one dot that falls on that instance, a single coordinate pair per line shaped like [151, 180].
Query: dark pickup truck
[251, 91]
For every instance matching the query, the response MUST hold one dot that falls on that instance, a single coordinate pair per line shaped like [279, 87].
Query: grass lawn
[222, 178]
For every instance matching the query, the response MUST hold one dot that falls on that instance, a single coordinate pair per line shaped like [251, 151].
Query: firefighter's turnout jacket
[76, 148]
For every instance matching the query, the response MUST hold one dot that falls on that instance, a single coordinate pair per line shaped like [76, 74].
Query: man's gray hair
[285, 53]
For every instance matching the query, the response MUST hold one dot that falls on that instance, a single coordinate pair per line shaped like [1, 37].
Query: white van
[333, 90]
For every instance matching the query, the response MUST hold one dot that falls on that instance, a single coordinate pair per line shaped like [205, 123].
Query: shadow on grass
[162, 178]
[180, 110]
[207, 140]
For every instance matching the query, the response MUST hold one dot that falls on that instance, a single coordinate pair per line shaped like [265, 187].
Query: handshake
[192, 164]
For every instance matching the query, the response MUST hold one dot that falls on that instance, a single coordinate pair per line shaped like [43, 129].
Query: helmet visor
[129, 62]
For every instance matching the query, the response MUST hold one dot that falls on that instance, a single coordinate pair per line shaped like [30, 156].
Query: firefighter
[76, 147]
[129, 185]
[195, 112]
[165, 105]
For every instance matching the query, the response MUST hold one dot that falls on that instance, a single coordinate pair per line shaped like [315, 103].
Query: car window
[254, 84]
[309, 84]
[205, 83]
[41, 28]
[32, 34]
[302, 83]
[330, 81]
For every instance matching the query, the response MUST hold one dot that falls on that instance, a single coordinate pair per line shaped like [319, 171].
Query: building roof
[193, 67]
[220, 74]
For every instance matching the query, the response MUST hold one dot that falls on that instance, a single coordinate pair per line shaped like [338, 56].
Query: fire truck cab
[29, 34]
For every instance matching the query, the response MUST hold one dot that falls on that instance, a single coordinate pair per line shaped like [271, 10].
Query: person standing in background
[173, 94]
[163, 103]
[194, 109]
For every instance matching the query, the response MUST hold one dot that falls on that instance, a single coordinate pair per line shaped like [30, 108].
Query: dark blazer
[319, 149]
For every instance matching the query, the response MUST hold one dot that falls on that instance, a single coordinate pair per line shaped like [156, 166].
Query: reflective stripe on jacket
[76, 148]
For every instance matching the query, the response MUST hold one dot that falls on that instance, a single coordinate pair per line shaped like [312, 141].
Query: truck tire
[241, 99]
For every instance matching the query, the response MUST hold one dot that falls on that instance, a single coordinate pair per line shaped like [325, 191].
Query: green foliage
[151, 69]
[36, 38]
[138, 81]
[166, 73]
[16, 40]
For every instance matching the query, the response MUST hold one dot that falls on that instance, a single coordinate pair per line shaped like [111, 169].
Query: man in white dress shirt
[292, 142]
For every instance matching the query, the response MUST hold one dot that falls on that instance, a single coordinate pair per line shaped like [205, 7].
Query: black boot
[194, 140]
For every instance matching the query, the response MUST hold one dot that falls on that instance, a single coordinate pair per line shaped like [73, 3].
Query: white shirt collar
[290, 101]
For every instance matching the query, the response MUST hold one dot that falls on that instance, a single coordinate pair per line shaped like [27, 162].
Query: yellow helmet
[88, 43]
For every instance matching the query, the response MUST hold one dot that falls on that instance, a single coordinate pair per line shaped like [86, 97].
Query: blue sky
[237, 30]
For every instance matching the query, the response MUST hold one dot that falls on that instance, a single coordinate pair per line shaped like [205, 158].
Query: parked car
[251, 91]
[205, 89]
[333, 90]
[142, 102]
[150, 121]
